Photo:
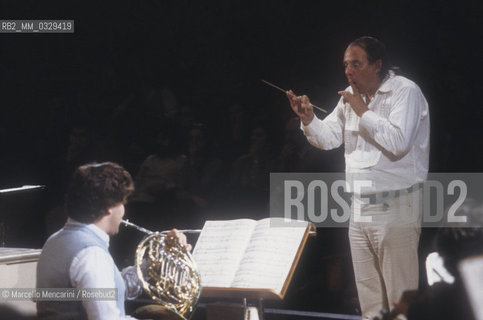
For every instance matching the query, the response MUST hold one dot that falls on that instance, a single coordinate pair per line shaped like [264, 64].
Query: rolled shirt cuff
[311, 128]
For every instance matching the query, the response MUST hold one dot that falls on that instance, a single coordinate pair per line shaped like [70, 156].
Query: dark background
[211, 55]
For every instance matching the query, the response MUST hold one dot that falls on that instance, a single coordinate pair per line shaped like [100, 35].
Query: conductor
[383, 121]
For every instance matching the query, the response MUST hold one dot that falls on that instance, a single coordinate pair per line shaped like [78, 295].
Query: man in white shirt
[77, 256]
[383, 121]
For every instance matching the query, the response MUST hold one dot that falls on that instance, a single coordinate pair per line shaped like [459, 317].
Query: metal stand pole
[260, 309]
[245, 309]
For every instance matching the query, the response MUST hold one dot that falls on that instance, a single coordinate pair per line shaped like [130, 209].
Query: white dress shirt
[388, 145]
[93, 267]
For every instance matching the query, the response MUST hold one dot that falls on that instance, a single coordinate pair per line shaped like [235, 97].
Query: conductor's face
[359, 71]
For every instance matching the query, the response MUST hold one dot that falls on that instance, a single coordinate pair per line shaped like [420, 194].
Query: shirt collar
[100, 233]
[386, 85]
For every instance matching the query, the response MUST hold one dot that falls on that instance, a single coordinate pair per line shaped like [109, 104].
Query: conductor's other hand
[301, 106]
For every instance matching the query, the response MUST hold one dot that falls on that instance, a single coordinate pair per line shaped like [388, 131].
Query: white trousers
[385, 250]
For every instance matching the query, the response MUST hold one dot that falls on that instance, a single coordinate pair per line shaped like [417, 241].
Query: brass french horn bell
[168, 273]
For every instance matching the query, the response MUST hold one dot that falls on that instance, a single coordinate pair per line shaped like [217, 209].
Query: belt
[380, 197]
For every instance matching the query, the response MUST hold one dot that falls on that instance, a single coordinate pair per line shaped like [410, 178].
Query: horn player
[77, 255]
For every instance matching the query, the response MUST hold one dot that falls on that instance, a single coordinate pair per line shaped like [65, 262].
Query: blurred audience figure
[80, 149]
[297, 155]
[186, 118]
[291, 157]
[203, 182]
[250, 175]
[159, 176]
[234, 138]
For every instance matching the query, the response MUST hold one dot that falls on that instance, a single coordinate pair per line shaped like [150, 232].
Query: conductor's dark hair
[375, 50]
[96, 187]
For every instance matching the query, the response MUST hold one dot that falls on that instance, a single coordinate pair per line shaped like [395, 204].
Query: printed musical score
[249, 254]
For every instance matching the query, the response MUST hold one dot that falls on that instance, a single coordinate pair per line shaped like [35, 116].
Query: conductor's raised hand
[301, 106]
[355, 100]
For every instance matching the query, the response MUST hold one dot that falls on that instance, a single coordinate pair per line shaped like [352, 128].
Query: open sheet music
[249, 255]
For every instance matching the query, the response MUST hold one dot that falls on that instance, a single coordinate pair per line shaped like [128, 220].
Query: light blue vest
[53, 270]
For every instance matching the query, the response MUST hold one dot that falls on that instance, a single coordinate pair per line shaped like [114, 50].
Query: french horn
[167, 272]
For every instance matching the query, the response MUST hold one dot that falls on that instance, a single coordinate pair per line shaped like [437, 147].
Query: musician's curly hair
[96, 187]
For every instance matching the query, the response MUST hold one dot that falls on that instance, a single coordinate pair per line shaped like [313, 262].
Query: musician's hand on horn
[174, 236]
[301, 106]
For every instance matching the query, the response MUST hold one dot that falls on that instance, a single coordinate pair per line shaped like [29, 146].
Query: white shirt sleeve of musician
[93, 267]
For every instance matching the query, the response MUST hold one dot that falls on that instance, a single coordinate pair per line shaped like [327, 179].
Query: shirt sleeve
[93, 267]
[397, 133]
[133, 285]
[326, 134]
